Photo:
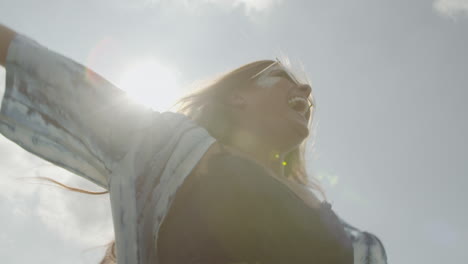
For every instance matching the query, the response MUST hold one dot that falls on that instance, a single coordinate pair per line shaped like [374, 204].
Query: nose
[305, 89]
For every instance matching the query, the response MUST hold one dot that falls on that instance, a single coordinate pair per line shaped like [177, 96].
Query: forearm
[6, 36]
[53, 109]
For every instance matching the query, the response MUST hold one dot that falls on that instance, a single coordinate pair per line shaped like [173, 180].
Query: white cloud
[74, 216]
[196, 6]
[36, 211]
[451, 8]
[253, 5]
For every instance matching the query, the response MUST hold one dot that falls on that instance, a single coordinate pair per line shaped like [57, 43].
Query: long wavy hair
[205, 106]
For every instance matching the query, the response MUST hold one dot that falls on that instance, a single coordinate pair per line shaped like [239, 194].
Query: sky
[389, 78]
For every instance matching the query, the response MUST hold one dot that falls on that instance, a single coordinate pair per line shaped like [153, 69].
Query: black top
[237, 213]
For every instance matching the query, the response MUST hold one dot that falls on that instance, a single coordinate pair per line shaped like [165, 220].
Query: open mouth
[299, 104]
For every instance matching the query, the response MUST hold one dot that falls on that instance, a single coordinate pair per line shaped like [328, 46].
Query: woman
[221, 181]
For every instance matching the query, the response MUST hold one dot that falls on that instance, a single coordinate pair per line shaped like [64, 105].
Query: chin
[291, 144]
[298, 131]
[301, 132]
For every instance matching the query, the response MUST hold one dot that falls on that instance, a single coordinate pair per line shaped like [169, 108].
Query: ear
[237, 101]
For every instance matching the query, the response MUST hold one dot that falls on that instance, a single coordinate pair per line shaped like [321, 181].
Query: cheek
[271, 106]
[268, 105]
[271, 117]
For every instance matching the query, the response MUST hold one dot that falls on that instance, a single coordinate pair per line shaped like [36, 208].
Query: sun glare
[151, 83]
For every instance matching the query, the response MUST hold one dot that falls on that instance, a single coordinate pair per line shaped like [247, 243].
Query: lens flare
[151, 83]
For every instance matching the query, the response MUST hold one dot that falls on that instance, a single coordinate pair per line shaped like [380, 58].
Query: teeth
[296, 100]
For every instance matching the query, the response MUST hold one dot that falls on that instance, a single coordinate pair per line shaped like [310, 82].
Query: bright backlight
[151, 84]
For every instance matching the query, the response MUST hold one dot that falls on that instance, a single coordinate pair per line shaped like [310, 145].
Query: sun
[151, 83]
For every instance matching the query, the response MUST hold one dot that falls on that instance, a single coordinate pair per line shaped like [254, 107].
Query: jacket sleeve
[368, 248]
[65, 113]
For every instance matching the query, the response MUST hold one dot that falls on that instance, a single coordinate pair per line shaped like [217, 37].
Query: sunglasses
[277, 62]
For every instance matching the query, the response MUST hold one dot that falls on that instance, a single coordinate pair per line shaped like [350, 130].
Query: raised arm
[64, 112]
[67, 114]
[6, 35]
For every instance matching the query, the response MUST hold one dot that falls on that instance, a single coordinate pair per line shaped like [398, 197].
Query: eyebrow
[287, 75]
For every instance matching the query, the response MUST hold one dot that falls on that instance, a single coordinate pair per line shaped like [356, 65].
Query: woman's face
[276, 108]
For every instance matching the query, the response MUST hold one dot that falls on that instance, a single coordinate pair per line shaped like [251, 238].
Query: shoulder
[368, 248]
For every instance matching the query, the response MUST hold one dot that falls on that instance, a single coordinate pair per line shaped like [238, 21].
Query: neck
[264, 154]
[271, 160]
